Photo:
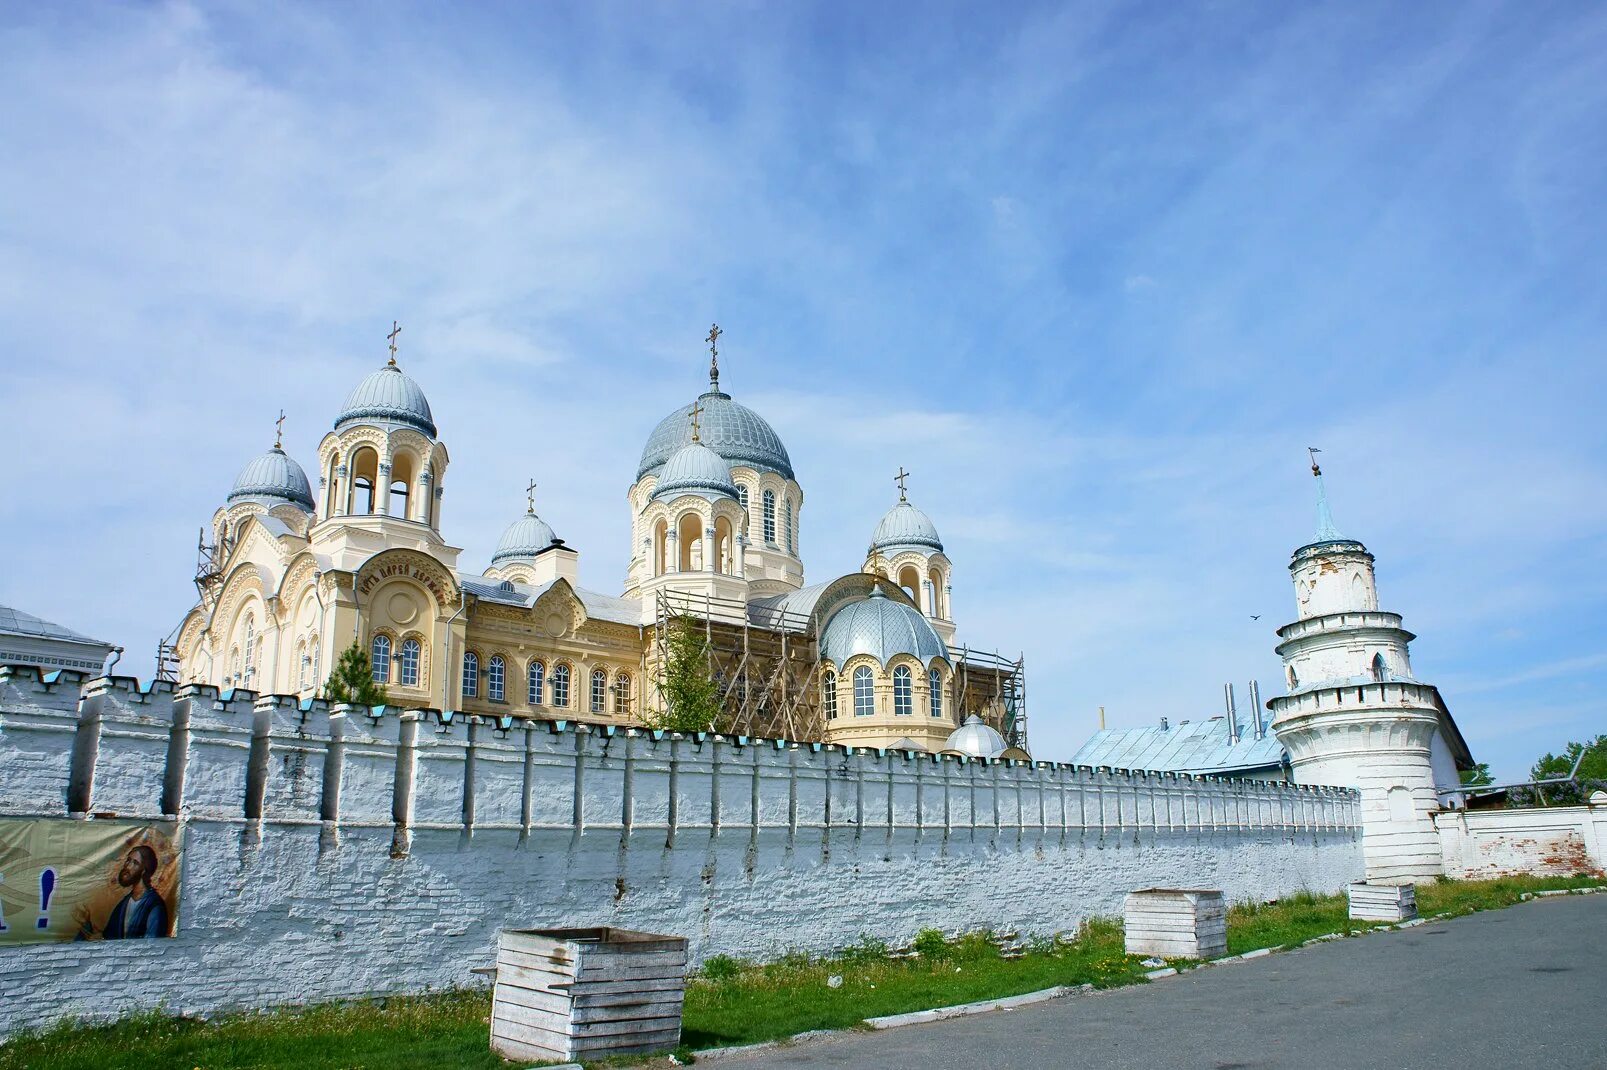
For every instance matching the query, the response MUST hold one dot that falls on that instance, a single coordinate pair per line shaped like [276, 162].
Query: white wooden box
[1383, 902]
[1176, 923]
[570, 994]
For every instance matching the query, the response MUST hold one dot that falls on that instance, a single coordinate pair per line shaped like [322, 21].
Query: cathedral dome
[524, 539]
[881, 627]
[729, 428]
[905, 527]
[976, 739]
[695, 469]
[272, 479]
[388, 396]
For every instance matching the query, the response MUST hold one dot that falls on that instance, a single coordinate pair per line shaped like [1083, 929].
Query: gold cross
[530, 497]
[279, 430]
[395, 330]
[899, 479]
[697, 411]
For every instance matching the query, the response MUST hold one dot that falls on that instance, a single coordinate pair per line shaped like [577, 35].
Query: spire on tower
[1326, 532]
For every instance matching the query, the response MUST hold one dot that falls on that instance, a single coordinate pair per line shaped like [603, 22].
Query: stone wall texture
[333, 853]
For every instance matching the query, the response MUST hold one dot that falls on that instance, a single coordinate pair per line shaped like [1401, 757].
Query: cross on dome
[279, 431]
[714, 356]
[391, 338]
[695, 414]
[899, 479]
[530, 498]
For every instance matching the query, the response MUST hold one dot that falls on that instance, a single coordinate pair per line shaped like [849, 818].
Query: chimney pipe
[1164, 725]
[1233, 714]
[1255, 705]
[1101, 718]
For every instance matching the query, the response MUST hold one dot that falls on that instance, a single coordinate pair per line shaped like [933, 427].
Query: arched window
[301, 664]
[250, 649]
[864, 692]
[313, 642]
[786, 522]
[622, 694]
[398, 503]
[770, 517]
[496, 679]
[742, 497]
[380, 658]
[471, 674]
[934, 681]
[535, 682]
[828, 688]
[903, 691]
[410, 657]
[1380, 670]
[1294, 680]
[560, 687]
[599, 691]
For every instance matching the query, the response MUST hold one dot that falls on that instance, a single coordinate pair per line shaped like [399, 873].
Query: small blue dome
[524, 539]
[904, 528]
[272, 479]
[388, 396]
[881, 627]
[695, 469]
[732, 430]
[977, 739]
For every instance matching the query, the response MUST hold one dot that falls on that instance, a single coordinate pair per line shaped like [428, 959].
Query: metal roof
[16, 622]
[1189, 747]
[882, 628]
[271, 478]
[388, 397]
[525, 538]
[905, 527]
[729, 428]
[507, 593]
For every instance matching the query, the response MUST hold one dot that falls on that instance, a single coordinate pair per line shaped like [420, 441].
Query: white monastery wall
[330, 853]
[1553, 840]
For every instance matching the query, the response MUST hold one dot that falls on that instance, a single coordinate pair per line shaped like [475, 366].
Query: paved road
[1516, 988]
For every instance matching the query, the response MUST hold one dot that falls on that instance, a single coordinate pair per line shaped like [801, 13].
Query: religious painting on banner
[87, 880]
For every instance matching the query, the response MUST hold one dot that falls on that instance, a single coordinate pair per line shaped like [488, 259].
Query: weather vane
[279, 430]
[899, 479]
[530, 498]
[714, 355]
[395, 330]
[697, 411]
[1313, 450]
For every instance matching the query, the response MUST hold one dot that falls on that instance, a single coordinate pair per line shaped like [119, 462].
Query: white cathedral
[290, 575]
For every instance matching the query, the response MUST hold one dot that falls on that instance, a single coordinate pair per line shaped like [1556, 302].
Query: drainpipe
[446, 668]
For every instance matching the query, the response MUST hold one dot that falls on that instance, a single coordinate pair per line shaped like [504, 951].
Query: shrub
[721, 967]
[931, 944]
[869, 949]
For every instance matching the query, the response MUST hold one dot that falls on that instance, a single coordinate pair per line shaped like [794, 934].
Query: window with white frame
[935, 682]
[903, 691]
[496, 679]
[471, 674]
[742, 497]
[786, 523]
[410, 659]
[622, 694]
[380, 659]
[535, 682]
[864, 692]
[828, 688]
[770, 517]
[560, 687]
[599, 691]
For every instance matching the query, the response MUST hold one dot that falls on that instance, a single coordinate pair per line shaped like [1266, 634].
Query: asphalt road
[1505, 989]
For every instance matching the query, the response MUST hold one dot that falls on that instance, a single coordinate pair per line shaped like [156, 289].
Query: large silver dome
[729, 428]
[272, 479]
[881, 627]
[388, 397]
[695, 469]
[905, 527]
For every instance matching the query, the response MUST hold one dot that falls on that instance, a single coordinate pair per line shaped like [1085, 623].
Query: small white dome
[524, 539]
[388, 396]
[272, 479]
[695, 469]
[976, 739]
[905, 527]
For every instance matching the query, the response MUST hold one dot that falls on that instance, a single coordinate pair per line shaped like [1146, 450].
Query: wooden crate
[1383, 902]
[586, 993]
[1176, 923]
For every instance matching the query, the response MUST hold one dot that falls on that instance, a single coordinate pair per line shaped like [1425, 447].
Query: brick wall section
[1553, 841]
[391, 849]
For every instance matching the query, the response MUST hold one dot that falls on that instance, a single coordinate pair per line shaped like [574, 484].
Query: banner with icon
[62, 879]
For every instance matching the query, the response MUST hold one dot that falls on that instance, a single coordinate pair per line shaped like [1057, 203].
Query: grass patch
[728, 1002]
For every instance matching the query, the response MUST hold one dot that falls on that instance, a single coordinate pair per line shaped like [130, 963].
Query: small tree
[1592, 774]
[1477, 777]
[353, 679]
[691, 695]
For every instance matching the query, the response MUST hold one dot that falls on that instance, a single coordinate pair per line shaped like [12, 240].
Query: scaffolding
[209, 560]
[766, 663]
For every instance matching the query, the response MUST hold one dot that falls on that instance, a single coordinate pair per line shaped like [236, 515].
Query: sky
[1097, 274]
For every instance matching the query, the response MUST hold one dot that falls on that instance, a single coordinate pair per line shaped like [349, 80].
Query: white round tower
[1354, 715]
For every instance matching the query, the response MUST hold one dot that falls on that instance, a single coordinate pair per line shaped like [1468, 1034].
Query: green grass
[728, 1002]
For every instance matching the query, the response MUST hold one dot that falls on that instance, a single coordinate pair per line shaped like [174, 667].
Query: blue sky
[1096, 274]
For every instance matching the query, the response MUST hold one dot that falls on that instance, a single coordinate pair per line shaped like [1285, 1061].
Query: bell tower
[1355, 716]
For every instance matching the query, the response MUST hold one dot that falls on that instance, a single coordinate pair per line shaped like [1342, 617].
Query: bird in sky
[1255, 616]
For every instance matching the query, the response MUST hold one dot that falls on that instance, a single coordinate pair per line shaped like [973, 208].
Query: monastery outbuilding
[291, 574]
